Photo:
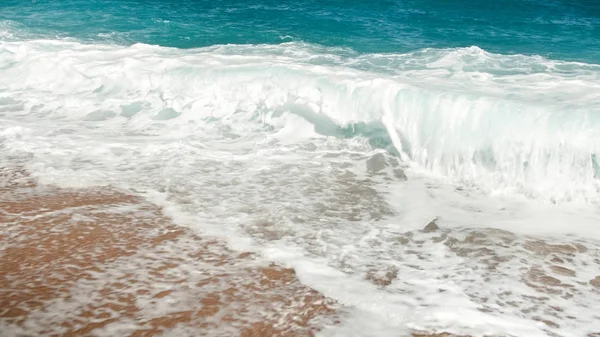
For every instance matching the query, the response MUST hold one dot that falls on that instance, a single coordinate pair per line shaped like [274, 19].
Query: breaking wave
[500, 123]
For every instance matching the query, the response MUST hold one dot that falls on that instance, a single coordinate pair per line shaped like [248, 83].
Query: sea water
[326, 134]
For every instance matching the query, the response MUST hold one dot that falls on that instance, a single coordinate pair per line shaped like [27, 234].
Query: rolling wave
[500, 123]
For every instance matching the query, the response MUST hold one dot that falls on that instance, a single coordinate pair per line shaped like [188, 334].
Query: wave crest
[515, 124]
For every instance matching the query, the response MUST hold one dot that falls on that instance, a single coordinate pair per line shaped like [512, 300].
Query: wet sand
[100, 262]
[58, 275]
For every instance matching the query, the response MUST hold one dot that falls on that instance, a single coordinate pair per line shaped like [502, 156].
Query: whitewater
[510, 124]
[333, 161]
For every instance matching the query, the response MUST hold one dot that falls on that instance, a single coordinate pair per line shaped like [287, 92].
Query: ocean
[324, 136]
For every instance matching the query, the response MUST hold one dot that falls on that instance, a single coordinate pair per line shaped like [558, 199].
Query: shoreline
[96, 261]
[80, 262]
[60, 272]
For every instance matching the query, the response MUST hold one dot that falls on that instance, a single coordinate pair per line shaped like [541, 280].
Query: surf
[502, 124]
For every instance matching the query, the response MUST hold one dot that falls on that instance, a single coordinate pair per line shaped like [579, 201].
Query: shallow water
[325, 137]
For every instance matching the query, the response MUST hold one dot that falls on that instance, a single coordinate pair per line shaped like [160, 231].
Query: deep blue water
[563, 29]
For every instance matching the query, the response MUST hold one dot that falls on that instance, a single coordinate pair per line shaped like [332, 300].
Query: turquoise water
[568, 30]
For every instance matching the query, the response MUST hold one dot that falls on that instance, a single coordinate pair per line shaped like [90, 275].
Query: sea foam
[505, 124]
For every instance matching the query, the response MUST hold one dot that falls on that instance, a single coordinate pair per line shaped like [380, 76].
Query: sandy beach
[99, 262]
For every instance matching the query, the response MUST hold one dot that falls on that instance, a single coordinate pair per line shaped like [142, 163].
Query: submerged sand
[102, 262]
[83, 262]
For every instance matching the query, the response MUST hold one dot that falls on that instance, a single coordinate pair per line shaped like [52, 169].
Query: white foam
[295, 221]
[526, 126]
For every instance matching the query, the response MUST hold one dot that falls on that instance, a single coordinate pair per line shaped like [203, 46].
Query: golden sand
[102, 262]
[59, 237]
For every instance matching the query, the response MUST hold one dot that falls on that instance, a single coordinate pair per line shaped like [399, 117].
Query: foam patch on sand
[101, 262]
